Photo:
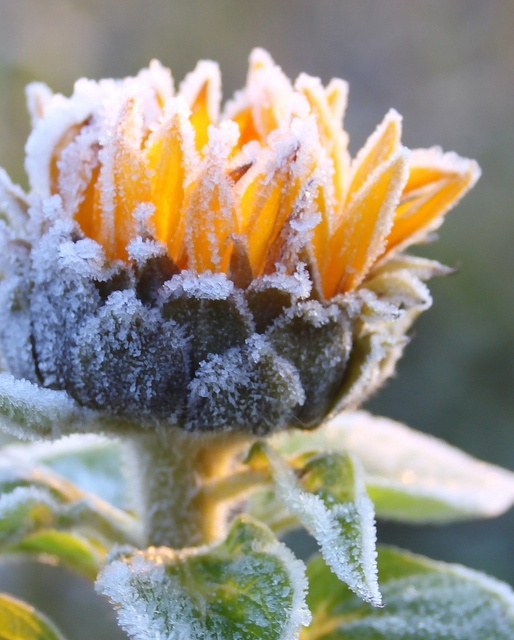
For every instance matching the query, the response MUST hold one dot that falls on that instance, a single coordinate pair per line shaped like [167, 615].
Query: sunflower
[176, 263]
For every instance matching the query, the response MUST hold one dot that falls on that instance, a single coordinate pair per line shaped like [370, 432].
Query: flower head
[179, 264]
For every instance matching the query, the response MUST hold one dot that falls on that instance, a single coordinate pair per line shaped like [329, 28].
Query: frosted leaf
[28, 411]
[249, 387]
[410, 476]
[424, 600]
[249, 586]
[91, 462]
[317, 340]
[326, 493]
[20, 620]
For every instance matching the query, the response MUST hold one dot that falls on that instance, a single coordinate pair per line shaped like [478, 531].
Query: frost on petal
[27, 411]
[202, 90]
[210, 206]
[247, 586]
[436, 183]
[360, 237]
[13, 203]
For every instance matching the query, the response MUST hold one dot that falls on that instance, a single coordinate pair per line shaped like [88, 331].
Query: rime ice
[176, 266]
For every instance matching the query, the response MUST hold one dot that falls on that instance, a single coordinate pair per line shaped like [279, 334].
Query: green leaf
[327, 495]
[20, 621]
[410, 476]
[43, 514]
[247, 586]
[72, 550]
[424, 600]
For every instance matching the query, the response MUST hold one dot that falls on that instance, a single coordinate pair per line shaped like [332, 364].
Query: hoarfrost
[317, 340]
[345, 531]
[160, 593]
[248, 386]
[403, 461]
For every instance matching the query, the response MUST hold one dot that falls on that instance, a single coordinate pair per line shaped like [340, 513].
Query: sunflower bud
[174, 266]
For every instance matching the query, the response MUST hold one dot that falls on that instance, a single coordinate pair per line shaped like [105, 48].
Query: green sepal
[20, 621]
[247, 586]
[424, 600]
[326, 493]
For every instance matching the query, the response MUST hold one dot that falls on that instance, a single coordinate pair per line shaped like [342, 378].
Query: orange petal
[268, 94]
[436, 183]
[360, 238]
[123, 181]
[211, 216]
[171, 156]
[380, 146]
[202, 91]
[332, 136]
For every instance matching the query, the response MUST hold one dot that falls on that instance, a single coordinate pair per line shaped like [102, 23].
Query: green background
[448, 67]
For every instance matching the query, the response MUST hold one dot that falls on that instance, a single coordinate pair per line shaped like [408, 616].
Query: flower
[172, 264]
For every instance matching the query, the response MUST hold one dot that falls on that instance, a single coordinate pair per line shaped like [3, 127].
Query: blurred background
[448, 67]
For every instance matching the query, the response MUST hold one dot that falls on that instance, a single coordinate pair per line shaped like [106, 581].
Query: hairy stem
[169, 471]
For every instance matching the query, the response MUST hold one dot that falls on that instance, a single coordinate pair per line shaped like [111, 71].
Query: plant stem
[168, 471]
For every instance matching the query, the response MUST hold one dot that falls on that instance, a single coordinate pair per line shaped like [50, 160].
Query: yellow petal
[171, 157]
[360, 238]
[336, 92]
[436, 183]
[202, 91]
[380, 146]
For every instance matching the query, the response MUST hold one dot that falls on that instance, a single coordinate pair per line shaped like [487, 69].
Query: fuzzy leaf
[327, 495]
[410, 476]
[28, 411]
[247, 586]
[20, 621]
[424, 600]
[92, 463]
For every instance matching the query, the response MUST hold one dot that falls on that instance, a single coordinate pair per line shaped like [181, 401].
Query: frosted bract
[168, 244]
